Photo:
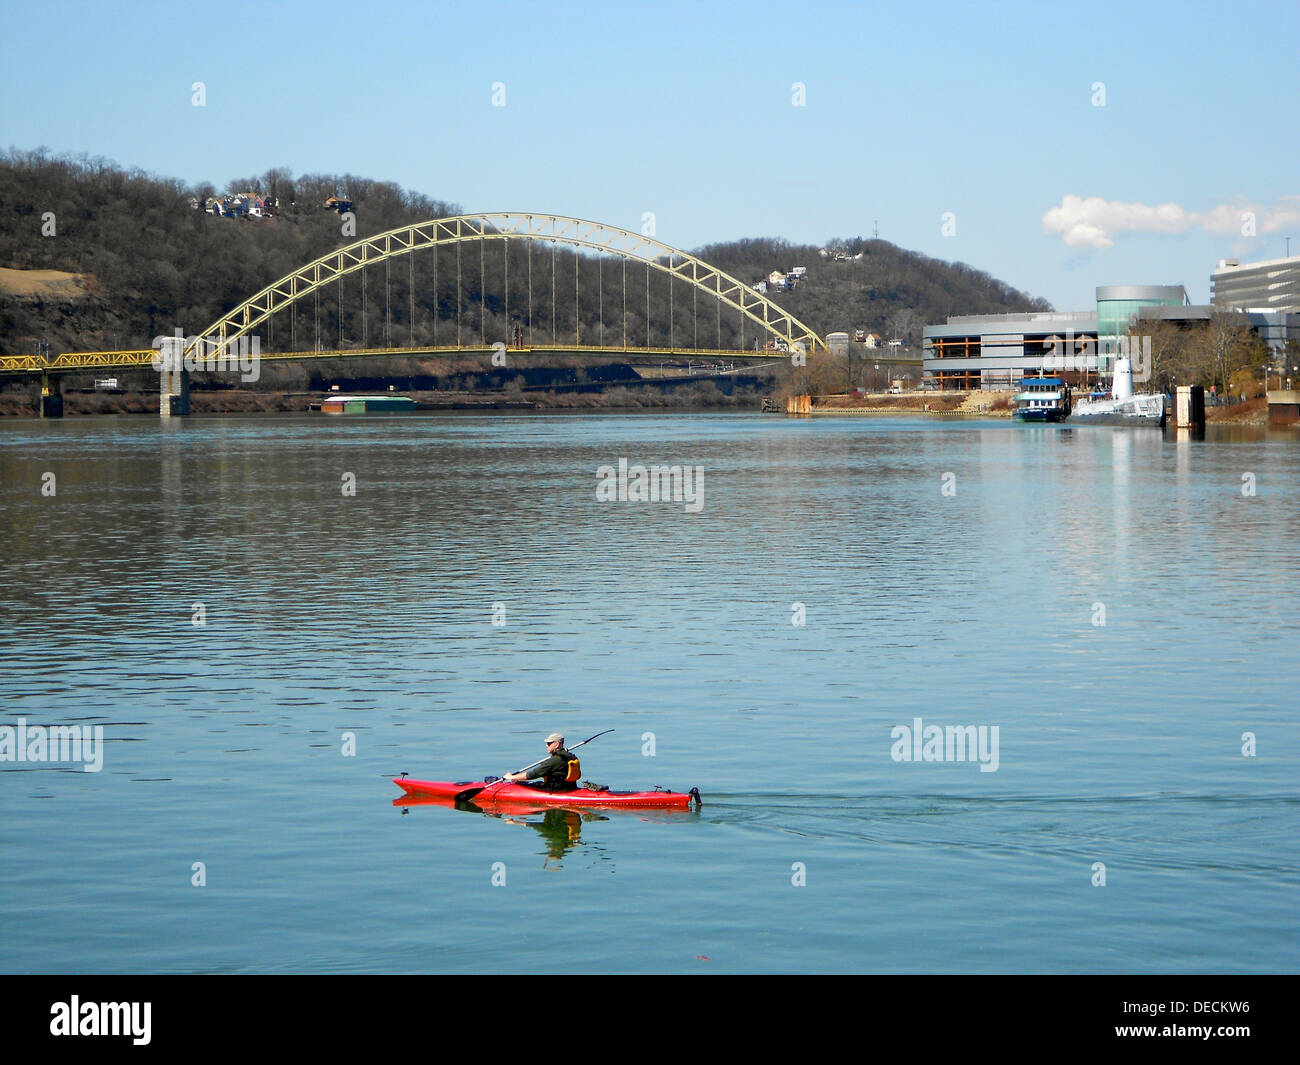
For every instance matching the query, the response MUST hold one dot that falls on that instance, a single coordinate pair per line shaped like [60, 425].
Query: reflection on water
[560, 830]
[265, 653]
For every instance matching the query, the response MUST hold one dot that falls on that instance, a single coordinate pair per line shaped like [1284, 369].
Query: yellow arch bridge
[763, 329]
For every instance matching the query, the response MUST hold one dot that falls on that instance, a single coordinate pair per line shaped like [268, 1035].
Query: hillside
[876, 286]
[135, 259]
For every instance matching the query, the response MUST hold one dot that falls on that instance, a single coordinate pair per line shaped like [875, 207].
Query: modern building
[997, 350]
[1269, 291]
[1269, 285]
[1117, 304]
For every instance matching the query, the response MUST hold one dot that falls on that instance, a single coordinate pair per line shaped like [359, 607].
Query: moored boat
[1122, 406]
[1042, 399]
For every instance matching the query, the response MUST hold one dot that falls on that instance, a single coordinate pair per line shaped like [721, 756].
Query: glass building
[1118, 305]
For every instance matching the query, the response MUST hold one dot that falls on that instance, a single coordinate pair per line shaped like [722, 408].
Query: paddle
[469, 793]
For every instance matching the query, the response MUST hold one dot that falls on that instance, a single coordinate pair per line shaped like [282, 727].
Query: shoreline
[901, 412]
[83, 404]
[1252, 412]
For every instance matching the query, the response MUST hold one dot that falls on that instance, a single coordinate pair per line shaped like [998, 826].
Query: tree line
[158, 264]
[1222, 353]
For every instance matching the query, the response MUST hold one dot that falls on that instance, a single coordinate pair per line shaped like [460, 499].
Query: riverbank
[1247, 412]
[983, 404]
[989, 404]
[703, 395]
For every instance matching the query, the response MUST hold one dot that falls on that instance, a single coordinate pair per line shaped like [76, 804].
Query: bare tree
[1224, 345]
[1167, 353]
[905, 325]
[822, 374]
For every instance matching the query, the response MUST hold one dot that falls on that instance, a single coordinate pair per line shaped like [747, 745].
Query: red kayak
[482, 793]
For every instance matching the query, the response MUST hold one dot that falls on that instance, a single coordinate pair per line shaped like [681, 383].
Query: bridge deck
[78, 361]
[81, 361]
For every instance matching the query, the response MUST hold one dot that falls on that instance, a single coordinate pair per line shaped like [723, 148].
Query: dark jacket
[560, 772]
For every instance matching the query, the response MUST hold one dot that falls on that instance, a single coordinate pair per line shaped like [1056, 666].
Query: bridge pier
[51, 403]
[173, 392]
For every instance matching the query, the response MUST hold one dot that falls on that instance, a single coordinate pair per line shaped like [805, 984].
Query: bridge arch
[540, 228]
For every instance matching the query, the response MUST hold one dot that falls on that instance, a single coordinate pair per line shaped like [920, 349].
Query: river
[271, 616]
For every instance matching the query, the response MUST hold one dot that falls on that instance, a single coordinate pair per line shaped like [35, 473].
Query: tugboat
[1121, 407]
[1042, 399]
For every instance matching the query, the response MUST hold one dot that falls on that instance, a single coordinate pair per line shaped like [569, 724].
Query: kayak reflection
[560, 826]
[517, 807]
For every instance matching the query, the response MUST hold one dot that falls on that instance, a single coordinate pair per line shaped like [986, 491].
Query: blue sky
[687, 110]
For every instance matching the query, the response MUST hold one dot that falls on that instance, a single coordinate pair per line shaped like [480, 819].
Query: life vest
[565, 776]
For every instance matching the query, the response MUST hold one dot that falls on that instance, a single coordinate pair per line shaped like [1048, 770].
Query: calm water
[1109, 599]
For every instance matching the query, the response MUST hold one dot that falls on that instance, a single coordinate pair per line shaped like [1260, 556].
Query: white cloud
[1094, 222]
[1224, 219]
[1285, 215]
[1083, 235]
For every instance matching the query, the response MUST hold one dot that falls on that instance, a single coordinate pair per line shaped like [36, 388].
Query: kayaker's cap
[555, 737]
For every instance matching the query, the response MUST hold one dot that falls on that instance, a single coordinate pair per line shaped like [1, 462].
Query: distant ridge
[152, 263]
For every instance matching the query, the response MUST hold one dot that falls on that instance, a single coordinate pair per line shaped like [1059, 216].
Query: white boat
[1122, 406]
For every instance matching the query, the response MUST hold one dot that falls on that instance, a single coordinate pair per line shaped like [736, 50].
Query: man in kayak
[559, 771]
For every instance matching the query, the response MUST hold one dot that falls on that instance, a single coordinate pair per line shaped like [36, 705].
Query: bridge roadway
[88, 361]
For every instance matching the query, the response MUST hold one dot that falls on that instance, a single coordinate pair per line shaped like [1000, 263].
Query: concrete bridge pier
[51, 396]
[173, 392]
[1189, 407]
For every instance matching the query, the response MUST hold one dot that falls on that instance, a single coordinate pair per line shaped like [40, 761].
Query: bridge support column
[173, 392]
[51, 396]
